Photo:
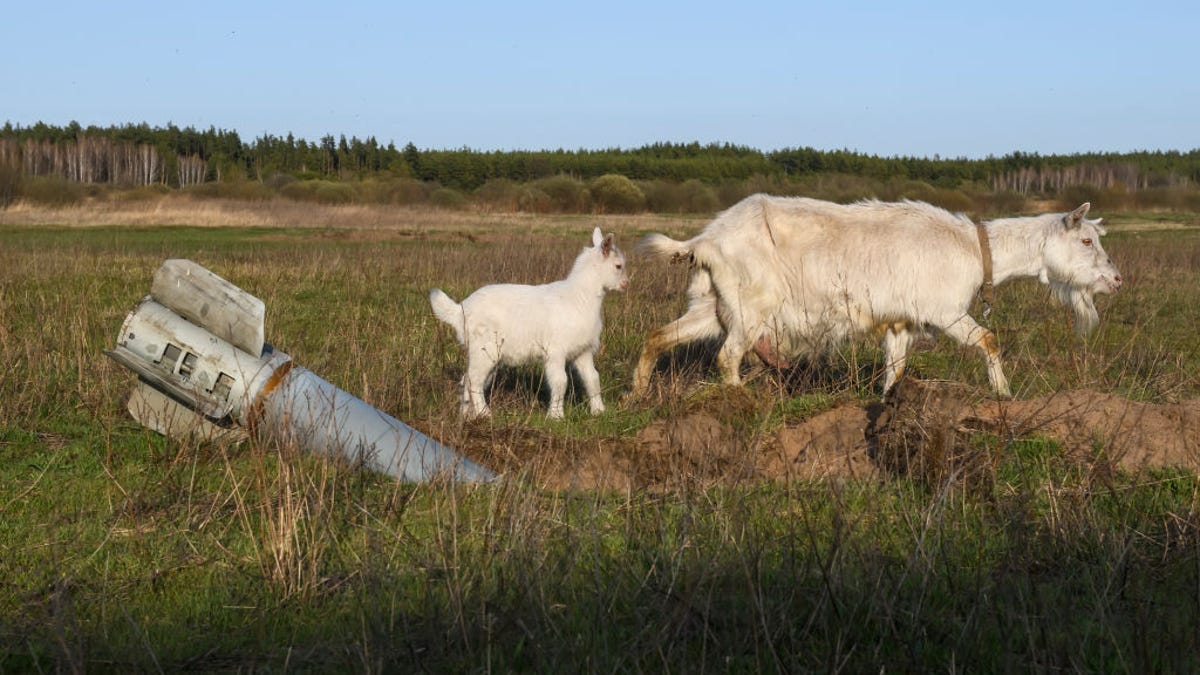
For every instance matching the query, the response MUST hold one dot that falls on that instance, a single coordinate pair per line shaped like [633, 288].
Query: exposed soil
[924, 428]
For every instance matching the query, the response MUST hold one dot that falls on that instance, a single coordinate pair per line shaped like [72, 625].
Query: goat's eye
[1086, 242]
[619, 266]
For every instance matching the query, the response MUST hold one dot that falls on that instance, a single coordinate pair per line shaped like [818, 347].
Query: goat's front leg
[585, 365]
[556, 377]
[968, 333]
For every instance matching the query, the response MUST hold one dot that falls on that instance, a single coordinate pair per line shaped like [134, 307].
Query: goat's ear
[1099, 227]
[1074, 218]
[596, 237]
[606, 246]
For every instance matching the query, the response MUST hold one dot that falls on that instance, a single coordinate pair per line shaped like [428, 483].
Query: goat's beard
[1082, 302]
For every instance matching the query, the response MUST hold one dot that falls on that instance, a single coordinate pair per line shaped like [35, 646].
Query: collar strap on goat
[986, 293]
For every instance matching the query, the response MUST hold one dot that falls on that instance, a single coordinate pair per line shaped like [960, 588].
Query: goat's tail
[449, 312]
[700, 252]
[657, 245]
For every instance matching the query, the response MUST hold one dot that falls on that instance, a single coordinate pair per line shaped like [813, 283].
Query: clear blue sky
[889, 78]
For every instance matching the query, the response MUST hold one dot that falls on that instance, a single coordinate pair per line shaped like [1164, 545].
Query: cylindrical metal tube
[319, 417]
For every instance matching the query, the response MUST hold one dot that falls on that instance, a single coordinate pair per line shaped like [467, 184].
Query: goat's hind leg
[698, 323]
[556, 377]
[481, 365]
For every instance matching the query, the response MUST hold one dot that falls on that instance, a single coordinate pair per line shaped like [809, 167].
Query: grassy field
[123, 551]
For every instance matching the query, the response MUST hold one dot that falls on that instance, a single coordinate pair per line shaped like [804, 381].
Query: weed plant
[124, 551]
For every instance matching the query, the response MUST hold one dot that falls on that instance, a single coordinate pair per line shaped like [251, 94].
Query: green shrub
[1003, 203]
[614, 193]
[772, 185]
[1174, 198]
[1111, 198]
[405, 191]
[250, 190]
[699, 197]
[847, 188]
[1116, 198]
[301, 190]
[144, 193]
[446, 198]
[534, 200]
[568, 195]
[205, 190]
[52, 191]
[244, 189]
[389, 191]
[1074, 195]
[731, 191]
[329, 192]
[900, 188]
[373, 191]
[277, 181]
[955, 201]
[663, 196]
[319, 191]
[691, 196]
[499, 194]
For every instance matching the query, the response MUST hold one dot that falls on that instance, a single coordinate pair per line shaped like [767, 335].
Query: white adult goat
[791, 276]
[555, 323]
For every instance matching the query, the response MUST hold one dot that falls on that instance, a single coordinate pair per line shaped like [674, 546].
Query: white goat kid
[556, 323]
[791, 276]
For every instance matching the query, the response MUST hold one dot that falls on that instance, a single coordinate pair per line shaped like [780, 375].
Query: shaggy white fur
[791, 276]
[556, 323]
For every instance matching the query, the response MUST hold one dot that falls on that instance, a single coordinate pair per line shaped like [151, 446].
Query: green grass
[124, 551]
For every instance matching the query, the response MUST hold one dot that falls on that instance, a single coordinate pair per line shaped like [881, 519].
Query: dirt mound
[1134, 435]
[694, 448]
[832, 444]
[927, 428]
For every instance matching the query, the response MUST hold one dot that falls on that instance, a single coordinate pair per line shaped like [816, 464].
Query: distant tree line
[173, 157]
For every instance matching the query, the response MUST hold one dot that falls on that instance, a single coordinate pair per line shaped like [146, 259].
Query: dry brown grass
[186, 210]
